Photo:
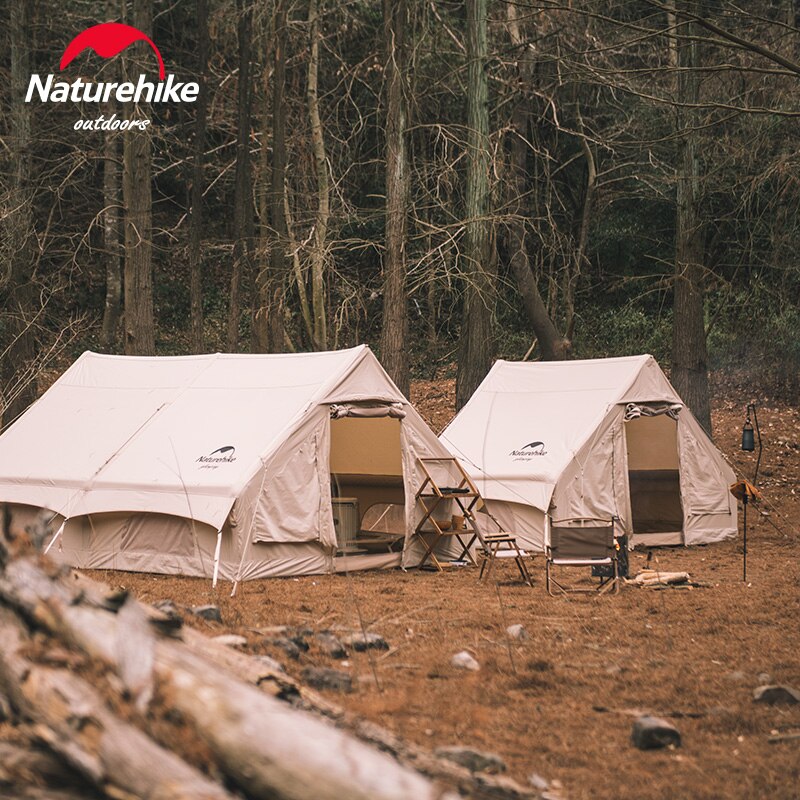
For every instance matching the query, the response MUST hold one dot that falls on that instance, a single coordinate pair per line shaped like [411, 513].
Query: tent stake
[216, 558]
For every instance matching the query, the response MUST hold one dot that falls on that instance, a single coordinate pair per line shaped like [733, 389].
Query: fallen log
[266, 747]
[27, 765]
[278, 684]
[71, 717]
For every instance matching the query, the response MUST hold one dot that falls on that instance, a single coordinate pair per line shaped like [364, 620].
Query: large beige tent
[245, 465]
[597, 438]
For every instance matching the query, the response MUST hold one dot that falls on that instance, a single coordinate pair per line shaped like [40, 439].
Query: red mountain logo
[107, 40]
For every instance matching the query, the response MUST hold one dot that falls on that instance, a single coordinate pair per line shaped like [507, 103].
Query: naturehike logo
[108, 40]
[529, 451]
[223, 455]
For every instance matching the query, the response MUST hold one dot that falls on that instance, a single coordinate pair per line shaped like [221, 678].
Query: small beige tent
[244, 466]
[596, 438]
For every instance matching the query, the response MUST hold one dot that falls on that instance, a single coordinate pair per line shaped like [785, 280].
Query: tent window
[367, 484]
[653, 474]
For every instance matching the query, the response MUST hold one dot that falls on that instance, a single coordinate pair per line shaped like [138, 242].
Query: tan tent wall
[527, 522]
[366, 460]
[139, 542]
[595, 482]
[652, 443]
[709, 515]
[367, 446]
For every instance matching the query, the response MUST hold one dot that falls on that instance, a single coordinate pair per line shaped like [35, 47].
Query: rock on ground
[473, 760]
[517, 632]
[650, 733]
[330, 645]
[211, 613]
[326, 678]
[365, 641]
[288, 646]
[464, 660]
[776, 695]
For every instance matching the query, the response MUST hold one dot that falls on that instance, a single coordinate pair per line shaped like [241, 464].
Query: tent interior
[367, 489]
[654, 480]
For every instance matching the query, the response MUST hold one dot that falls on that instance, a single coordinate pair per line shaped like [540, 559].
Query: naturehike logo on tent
[529, 451]
[223, 455]
[108, 40]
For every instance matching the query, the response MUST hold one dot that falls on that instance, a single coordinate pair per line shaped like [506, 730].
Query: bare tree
[138, 200]
[552, 345]
[276, 335]
[394, 330]
[689, 349]
[476, 345]
[17, 282]
[111, 217]
[242, 202]
[269, 329]
[198, 183]
[322, 216]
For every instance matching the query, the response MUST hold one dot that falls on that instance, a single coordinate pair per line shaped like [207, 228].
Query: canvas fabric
[149, 458]
[549, 437]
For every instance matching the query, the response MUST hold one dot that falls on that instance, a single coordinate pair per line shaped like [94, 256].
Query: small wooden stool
[503, 545]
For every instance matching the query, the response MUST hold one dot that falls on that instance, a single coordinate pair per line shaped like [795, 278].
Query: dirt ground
[561, 703]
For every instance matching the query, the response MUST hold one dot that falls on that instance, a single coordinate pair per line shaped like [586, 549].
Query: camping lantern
[748, 436]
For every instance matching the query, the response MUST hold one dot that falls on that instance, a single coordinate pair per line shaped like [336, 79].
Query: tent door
[367, 485]
[654, 480]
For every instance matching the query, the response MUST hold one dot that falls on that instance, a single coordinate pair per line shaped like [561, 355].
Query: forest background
[449, 182]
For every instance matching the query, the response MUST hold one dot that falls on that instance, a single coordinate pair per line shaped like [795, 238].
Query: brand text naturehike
[143, 91]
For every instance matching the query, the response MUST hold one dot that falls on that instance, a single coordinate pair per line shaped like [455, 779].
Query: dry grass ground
[559, 703]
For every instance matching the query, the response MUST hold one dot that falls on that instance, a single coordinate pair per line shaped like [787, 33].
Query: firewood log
[265, 746]
[71, 717]
[24, 763]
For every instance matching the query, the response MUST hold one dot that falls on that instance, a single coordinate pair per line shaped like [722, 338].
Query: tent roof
[557, 404]
[178, 435]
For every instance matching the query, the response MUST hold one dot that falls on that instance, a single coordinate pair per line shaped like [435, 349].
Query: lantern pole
[744, 539]
[748, 444]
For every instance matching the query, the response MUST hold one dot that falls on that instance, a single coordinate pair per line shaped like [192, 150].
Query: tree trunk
[137, 196]
[242, 206]
[551, 344]
[18, 349]
[196, 218]
[689, 353]
[574, 272]
[260, 291]
[394, 331]
[318, 295]
[276, 336]
[476, 345]
[111, 216]
[270, 335]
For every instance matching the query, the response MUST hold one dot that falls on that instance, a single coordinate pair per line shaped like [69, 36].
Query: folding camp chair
[583, 542]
